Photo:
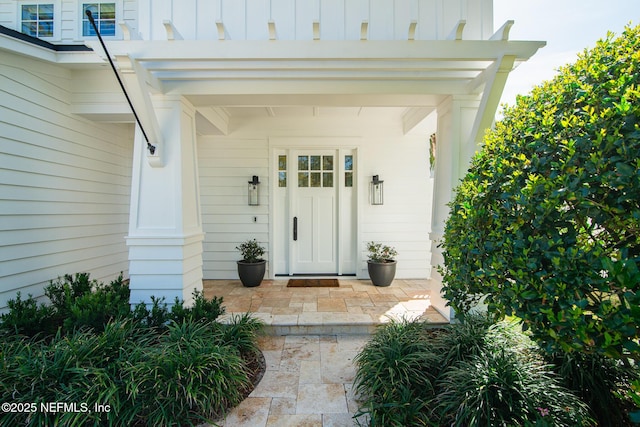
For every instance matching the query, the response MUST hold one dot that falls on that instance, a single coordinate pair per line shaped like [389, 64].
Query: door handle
[295, 228]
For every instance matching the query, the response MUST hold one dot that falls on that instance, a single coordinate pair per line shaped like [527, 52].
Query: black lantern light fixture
[253, 191]
[377, 193]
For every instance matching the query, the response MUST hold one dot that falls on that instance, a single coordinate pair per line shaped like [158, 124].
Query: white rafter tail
[172, 31]
[503, 32]
[221, 31]
[456, 33]
[364, 30]
[217, 119]
[134, 77]
[496, 78]
[316, 30]
[412, 30]
[272, 31]
[128, 33]
[413, 117]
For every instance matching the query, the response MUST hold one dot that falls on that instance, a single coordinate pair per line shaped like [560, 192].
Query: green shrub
[27, 317]
[81, 367]
[476, 372]
[78, 302]
[180, 374]
[159, 315]
[546, 223]
[94, 309]
[499, 388]
[75, 302]
[241, 332]
[395, 373]
[155, 317]
[200, 309]
[599, 381]
[461, 340]
[150, 365]
[187, 377]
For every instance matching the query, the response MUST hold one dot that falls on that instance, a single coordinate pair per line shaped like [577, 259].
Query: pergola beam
[288, 50]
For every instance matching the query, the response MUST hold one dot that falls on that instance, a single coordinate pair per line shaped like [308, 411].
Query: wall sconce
[253, 191]
[376, 196]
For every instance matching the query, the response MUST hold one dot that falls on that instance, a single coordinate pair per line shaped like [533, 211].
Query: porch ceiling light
[253, 191]
[376, 195]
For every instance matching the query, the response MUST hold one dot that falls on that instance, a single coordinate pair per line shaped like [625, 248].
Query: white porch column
[165, 226]
[455, 146]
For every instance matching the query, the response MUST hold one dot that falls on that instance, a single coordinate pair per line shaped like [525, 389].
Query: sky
[568, 27]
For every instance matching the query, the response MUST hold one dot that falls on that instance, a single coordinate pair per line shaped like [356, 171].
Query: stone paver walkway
[313, 335]
[308, 382]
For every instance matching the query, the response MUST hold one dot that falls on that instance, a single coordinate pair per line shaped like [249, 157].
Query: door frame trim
[339, 145]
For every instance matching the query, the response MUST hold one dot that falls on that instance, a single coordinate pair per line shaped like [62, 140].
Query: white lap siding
[64, 182]
[227, 162]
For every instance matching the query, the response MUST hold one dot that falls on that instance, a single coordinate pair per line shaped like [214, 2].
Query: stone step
[328, 323]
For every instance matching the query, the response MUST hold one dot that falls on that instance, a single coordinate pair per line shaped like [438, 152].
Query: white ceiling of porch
[314, 111]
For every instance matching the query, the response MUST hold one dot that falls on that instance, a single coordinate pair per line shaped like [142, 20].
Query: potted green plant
[381, 263]
[251, 267]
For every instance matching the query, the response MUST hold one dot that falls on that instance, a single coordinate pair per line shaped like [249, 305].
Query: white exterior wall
[226, 165]
[247, 19]
[339, 19]
[64, 182]
[402, 161]
[67, 27]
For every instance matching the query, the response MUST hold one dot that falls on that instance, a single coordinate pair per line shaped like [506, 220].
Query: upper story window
[105, 16]
[37, 19]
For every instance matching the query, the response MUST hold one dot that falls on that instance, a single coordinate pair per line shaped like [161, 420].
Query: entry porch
[355, 307]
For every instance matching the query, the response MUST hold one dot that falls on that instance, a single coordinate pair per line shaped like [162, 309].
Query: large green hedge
[546, 224]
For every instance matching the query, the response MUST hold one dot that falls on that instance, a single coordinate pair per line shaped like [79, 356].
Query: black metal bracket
[150, 147]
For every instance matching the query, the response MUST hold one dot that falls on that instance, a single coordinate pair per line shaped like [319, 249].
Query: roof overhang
[206, 71]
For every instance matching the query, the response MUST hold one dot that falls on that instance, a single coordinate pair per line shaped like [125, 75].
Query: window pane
[348, 179]
[327, 163]
[108, 11]
[45, 11]
[108, 28]
[30, 28]
[315, 179]
[29, 12]
[282, 163]
[45, 29]
[87, 29]
[282, 179]
[315, 163]
[93, 7]
[303, 163]
[303, 179]
[327, 179]
[348, 163]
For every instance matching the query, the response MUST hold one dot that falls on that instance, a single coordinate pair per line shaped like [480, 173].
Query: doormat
[313, 283]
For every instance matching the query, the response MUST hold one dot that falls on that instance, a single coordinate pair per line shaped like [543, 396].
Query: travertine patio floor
[355, 307]
[313, 336]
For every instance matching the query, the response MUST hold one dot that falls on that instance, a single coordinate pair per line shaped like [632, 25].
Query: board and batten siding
[68, 18]
[293, 19]
[64, 183]
[226, 163]
[338, 19]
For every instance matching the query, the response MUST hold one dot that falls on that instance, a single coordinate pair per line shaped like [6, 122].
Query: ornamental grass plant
[150, 366]
[474, 373]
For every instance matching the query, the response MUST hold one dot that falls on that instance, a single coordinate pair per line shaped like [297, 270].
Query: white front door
[314, 213]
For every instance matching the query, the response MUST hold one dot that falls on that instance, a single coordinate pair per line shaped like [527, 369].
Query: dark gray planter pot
[251, 273]
[382, 273]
